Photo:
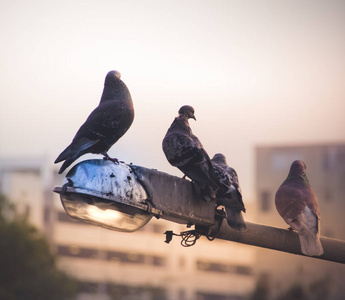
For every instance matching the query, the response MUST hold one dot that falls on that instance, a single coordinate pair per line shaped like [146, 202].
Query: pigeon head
[187, 111]
[114, 87]
[298, 170]
[298, 167]
[112, 79]
[219, 158]
[111, 76]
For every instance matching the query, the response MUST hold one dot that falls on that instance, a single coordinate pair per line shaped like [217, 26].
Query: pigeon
[106, 124]
[231, 198]
[297, 204]
[184, 151]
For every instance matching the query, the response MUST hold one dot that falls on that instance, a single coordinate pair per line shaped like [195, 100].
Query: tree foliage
[319, 289]
[262, 289]
[28, 269]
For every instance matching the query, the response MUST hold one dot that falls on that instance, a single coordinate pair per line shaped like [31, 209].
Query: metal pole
[277, 239]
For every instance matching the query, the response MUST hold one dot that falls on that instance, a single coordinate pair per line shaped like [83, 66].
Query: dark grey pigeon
[231, 198]
[184, 151]
[105, 125]
[296, 202]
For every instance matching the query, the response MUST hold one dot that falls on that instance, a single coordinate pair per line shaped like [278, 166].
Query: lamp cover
[102, 193]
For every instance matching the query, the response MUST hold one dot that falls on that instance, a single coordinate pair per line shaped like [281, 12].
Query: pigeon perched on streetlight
[296, 202]
[231, 198]
[184, 151]
[105, 125]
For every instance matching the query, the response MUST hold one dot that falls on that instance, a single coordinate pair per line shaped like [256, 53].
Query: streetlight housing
[105, 194]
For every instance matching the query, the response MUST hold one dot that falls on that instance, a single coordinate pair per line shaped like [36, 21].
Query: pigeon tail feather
[69, 158]
[235, 219]
[63, 155]
[65, 165]
[310, 244]
[207, 193]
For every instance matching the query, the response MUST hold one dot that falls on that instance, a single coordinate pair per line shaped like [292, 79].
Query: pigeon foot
[114, 160]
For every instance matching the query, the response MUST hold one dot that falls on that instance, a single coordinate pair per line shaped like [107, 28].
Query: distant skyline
[256, 72]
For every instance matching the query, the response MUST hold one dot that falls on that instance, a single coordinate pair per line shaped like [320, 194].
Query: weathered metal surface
[175, 197]
[157, 193]
[276, 239]
[107, 180]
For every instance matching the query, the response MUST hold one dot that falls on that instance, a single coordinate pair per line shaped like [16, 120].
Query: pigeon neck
[181, 123]
[301, 178]
[114, 90]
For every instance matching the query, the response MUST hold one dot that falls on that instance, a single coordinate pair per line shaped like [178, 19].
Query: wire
[189, 238]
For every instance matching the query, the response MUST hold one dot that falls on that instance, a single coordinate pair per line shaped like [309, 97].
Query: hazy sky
[256, 72]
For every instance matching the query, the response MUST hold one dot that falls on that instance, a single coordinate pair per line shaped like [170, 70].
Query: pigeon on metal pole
[184, 151]
[231, 199]
[296, 202]
[105, 125]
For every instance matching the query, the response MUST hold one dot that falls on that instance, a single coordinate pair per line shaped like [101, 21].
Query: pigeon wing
[231, 199]
[181, 149]
[312, 202]
[237, 194]
[290, 202]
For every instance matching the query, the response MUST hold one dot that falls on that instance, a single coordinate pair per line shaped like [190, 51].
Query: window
[158, 261]
[281, 160]
[265, 201]
[75, 251]
[209, 296]
[212, 267]
[46, 215]
[330, 162]
[121, 291]
[208, 266]
[244, 270]
[135, 258]
[88, 287]
[115, 256]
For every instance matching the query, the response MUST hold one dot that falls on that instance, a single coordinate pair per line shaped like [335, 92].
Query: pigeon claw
[114, 160]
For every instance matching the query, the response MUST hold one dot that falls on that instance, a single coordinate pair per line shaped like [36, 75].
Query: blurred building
[139, 265]
[326, 174]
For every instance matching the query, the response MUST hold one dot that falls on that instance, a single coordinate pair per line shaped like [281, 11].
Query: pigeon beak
[193, 117]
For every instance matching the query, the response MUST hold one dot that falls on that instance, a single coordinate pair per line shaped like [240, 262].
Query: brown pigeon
[184, 151]
[231, 199]
[105, 125]
[296, 202]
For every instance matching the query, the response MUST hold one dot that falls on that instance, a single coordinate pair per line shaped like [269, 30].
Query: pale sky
[256, 72]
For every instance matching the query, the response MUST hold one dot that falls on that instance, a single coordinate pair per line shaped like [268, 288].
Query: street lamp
[125, 197]
[105, 194]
